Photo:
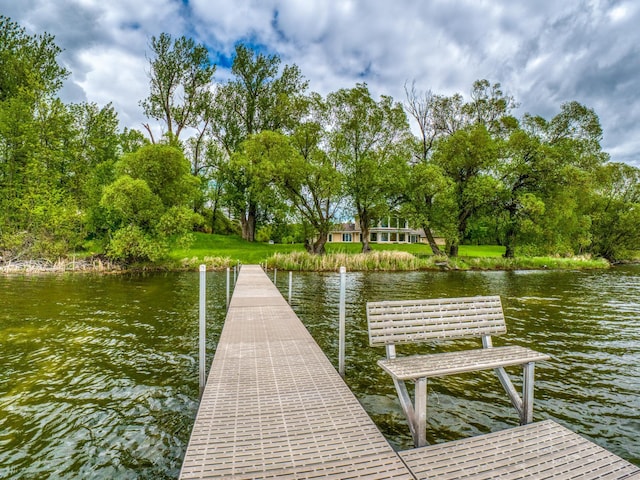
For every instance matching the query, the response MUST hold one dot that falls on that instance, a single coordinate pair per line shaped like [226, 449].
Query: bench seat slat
[392, 322]
[440, 364]
[421, 319]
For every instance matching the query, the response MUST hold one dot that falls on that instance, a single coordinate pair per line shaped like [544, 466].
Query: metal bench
[436, 320]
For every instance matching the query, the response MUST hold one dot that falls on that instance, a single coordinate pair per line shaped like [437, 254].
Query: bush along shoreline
[384, 261]
[60, 265]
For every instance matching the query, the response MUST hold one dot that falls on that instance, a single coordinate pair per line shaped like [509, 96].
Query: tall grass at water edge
[404, 261]
[377, 260]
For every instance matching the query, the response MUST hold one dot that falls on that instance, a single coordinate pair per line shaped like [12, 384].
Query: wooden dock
[275, 407]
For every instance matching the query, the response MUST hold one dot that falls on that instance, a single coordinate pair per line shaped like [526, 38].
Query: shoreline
[387, 262]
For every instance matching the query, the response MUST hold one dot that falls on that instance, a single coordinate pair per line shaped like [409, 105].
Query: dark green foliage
[148, 203]
[266, 156]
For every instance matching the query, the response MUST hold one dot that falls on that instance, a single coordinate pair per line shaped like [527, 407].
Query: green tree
[28, 63]
[50, 153]
[165, 170]
[570, 157]
[309, 179]
[370, 145]
[36, 166]
[259, 97]
[438, 118]
[429, 202]
[149, 203]
[250, 175]
[181, 74]
[616, 212]
[525, 173]
[467, 158]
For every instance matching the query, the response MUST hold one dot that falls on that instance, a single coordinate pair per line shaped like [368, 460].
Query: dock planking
[275, 407]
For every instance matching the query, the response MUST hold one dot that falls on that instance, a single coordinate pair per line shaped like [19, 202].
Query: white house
[390, 229]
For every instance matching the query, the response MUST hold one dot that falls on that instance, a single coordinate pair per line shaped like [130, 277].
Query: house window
[401, 239]
[394, 237]
[331, 237]
[373, 237]
[346, 237]
[384, 237]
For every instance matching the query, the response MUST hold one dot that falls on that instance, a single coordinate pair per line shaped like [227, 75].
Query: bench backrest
[414, 321]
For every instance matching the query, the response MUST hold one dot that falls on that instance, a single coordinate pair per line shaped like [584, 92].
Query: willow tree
[616, 212]
[439, 118]
[467, 158]
[260, 96]
[311, 181]
[181, 77]
[370, 146]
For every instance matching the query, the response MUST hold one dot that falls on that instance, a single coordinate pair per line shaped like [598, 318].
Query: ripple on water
[98, 387]
[99, 374]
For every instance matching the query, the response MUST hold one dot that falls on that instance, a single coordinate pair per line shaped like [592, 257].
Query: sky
[543, 52]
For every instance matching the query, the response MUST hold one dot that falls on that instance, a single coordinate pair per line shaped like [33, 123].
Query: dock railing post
[341, 332]
[202, 336]
[290, 285]
[228, 287]
[275, 272]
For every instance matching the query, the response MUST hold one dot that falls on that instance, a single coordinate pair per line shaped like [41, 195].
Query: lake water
[98, 374]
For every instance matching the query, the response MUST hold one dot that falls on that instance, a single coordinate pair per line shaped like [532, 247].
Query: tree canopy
[258, 153]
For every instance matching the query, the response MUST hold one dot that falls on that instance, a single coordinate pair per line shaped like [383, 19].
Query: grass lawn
[481, 251]
[233, 247]
[236, 249]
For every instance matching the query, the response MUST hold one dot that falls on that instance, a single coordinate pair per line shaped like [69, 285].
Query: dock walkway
[275, 407]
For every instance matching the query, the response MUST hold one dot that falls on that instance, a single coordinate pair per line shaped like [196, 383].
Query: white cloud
[116, 76]
[544, 53]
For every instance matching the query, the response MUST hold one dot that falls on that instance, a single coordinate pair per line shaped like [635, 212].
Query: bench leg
[405, 403]
[526, 415]
[420, 438]
[514, 396]
[416, 415]
[524, 405]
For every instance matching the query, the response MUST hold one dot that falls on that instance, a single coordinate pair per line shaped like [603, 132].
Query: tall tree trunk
[214, 214]
[248, 224]
[364, 231]
[317, 247]
[462, 229]
[251, 228]
[509, 251]
[510, 239]
[432, 241]
[243, 226]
